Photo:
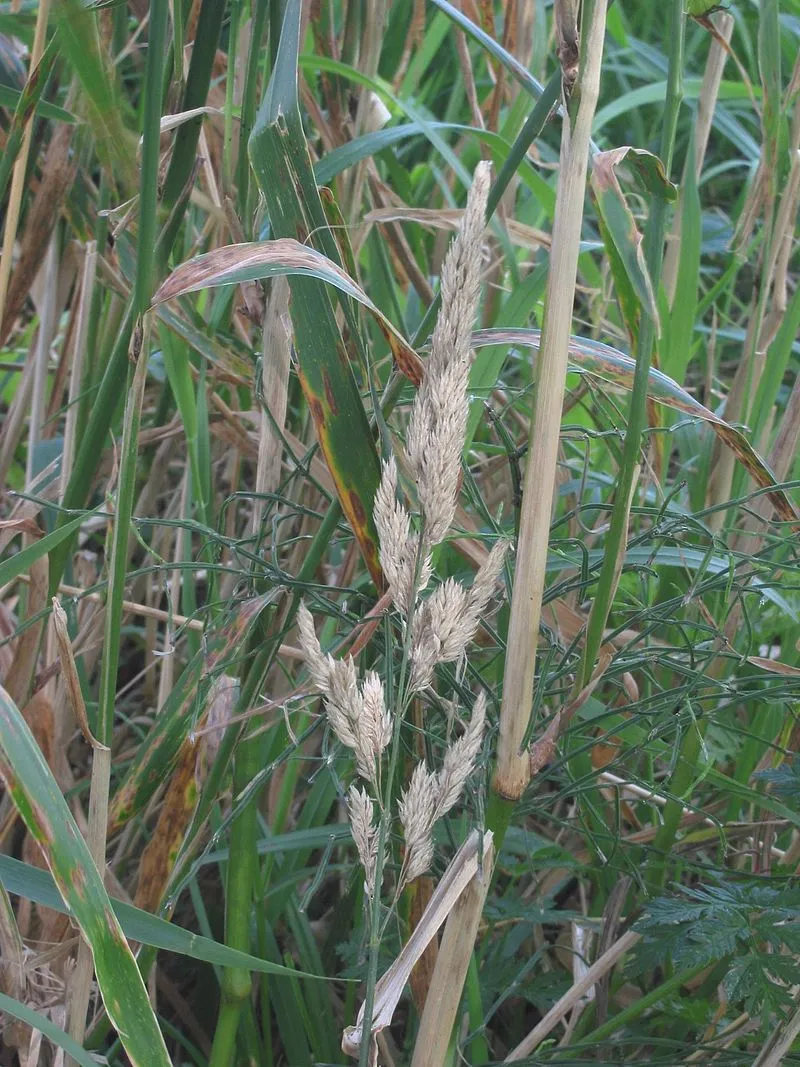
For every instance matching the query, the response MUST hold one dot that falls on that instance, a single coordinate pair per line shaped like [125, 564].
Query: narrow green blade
[282, 165]
[44, 811]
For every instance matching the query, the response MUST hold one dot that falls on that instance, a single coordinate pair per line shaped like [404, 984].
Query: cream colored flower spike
[437, 428]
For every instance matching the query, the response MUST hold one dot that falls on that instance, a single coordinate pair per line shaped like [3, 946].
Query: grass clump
[399, 613]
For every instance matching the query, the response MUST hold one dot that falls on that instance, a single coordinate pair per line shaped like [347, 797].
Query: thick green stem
[653, 249]
[640, 1006]
[242, 868]
[512, 767]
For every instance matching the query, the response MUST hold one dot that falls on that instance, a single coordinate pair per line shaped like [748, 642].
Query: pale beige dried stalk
[452, 961]
[513, 768]
[573, 995]
[472, 858]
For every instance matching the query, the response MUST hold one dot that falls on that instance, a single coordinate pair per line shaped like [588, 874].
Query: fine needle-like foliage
[399, 512]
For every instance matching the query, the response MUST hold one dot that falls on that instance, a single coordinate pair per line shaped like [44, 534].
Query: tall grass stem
[512, 772]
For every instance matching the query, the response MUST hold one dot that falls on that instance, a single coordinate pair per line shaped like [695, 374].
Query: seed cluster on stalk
[437, 627]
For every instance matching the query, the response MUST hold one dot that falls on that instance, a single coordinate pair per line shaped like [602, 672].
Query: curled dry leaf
[69, 672]
[468, 863]
[774, 666]
[235, 264]
[450, 219]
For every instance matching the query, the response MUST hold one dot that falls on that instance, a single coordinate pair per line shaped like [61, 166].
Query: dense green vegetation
[237, 375]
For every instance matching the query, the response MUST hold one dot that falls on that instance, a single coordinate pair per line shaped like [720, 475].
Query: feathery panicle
[343, 700]
[398, 545]
[373, 727]
[447, 621]
[317, 662]
[437, 427]
[437, 632]
[486, 578]
[357, 714]
[459, 760]
[430, 796]
[417, 814]
[365, 834]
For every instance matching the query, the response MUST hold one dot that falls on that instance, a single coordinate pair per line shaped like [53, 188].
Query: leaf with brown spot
[620, 230]
[159, 855]
[339, 229]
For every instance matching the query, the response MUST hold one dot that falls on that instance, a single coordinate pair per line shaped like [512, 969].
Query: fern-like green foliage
[784, 780]
[756, 926]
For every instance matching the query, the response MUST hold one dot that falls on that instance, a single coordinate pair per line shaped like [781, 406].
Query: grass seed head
[417, 815]
[449, 619]
[317, 662]
[399, 547]
[459, 760]
[437, 428]
[357, 714]
[365, 834]
[373, 727]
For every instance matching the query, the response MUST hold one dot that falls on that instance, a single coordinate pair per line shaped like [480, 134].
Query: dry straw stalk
[452, 961]
[513, 770]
